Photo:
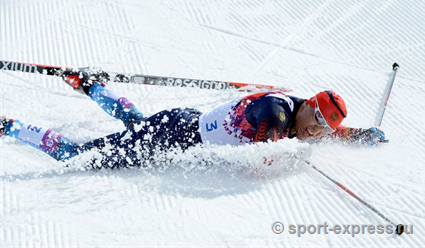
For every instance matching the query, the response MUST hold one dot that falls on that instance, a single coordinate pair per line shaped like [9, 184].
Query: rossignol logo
[180, 82]
[12, 66]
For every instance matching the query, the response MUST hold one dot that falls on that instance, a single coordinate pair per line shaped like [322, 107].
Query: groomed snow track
[347, 46]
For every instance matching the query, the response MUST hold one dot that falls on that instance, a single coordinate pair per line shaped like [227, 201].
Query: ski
[32, 68]
[138, 78]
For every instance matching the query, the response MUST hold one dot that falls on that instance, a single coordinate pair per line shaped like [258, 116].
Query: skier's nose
[316, 130]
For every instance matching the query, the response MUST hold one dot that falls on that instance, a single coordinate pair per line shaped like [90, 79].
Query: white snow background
[309, 46]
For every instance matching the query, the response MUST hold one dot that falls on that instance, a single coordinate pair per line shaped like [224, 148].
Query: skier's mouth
[307, 134]
[304, 134]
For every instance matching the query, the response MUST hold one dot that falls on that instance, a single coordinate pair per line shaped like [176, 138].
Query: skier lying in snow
[260, 117]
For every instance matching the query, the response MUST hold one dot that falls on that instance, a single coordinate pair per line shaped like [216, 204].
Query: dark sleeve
[270, 122]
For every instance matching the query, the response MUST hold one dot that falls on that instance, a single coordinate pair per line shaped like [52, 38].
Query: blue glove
[371, 136]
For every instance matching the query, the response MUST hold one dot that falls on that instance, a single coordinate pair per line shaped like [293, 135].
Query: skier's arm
[271, 123]
[368, 136]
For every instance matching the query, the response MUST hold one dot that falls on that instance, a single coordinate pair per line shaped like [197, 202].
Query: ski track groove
[351, 203]
[11, 203]
[275, 193]
[298, 209]
[290, 37]
[140, 66]
[289, 209]
[316, 56]
[195, 13]
[397, 215]
[389, 201]
[283, 195]
[291, 200]
[374, 18]
[374, 178]
[298, 204]
[267, 201]
[327, 205]
[3, 28]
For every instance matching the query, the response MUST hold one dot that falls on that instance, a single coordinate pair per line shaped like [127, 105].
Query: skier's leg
[46, 140]
[175, 128]
[161, 132]
[113, 104]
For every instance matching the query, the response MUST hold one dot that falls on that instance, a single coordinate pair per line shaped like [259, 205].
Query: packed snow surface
[215, 196]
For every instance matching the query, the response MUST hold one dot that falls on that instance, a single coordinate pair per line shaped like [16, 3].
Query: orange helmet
[331, 106]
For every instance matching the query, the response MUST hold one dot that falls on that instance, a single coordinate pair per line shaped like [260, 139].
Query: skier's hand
[371, 136]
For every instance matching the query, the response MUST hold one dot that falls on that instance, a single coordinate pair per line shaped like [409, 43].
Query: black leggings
[146, 138]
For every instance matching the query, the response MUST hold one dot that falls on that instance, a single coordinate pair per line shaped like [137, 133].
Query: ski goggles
[321, 121]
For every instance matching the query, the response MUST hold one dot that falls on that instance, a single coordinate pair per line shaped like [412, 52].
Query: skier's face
[306, 126]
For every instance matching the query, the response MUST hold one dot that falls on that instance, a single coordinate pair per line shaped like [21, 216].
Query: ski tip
[399, 229]
[395, 66]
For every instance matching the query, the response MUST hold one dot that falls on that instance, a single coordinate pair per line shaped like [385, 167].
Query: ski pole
[399, 228]
[383, 105]
[137, 78]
